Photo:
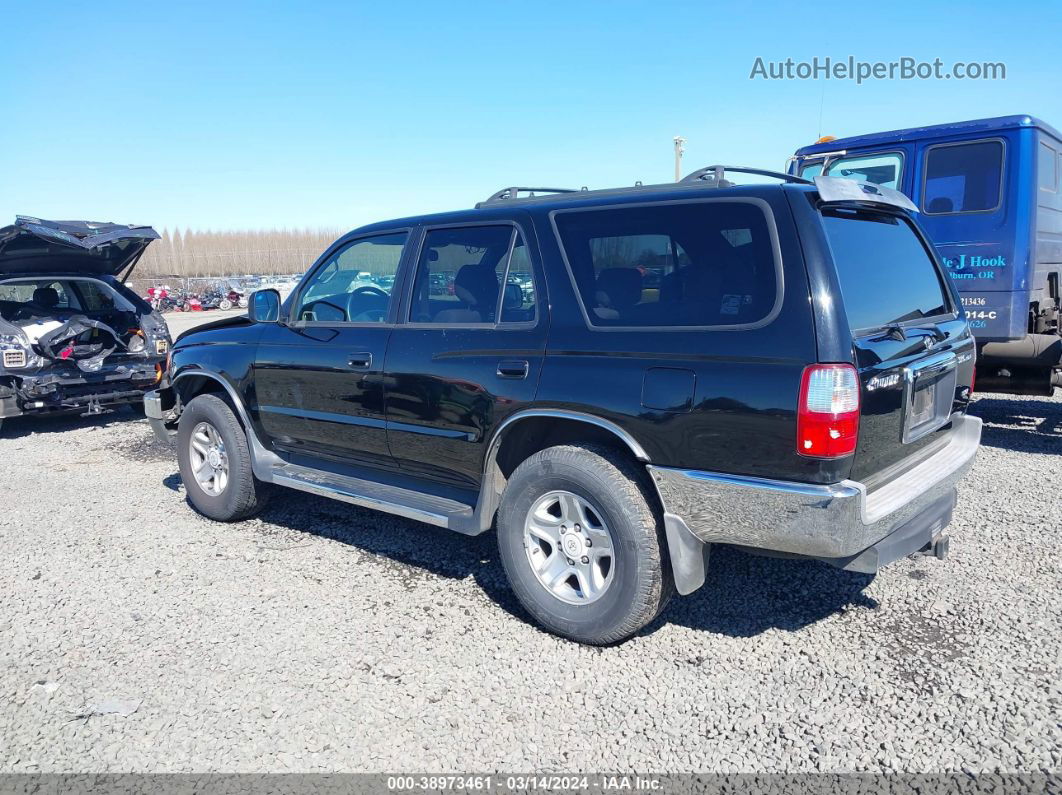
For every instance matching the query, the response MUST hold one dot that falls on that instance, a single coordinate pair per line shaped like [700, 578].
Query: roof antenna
[822, 101]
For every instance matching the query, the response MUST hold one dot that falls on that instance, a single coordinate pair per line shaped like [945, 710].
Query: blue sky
[253, 115]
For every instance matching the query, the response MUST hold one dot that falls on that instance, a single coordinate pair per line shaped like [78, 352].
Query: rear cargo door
[912, 347]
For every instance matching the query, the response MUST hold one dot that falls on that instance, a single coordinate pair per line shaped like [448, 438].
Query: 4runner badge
[882, 382]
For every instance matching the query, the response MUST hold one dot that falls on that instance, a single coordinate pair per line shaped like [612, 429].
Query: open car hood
[35, 246]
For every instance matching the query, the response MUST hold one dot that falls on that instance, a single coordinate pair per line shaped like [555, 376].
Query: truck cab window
[881, 169]
[963, 178]
[811, 170]
[1047, 177]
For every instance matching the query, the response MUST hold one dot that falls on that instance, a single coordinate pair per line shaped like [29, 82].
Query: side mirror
[264, 306]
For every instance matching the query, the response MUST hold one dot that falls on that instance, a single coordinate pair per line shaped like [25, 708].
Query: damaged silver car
[73, 337]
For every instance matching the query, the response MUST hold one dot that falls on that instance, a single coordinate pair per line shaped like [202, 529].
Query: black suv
[73, 337]
[615, 379]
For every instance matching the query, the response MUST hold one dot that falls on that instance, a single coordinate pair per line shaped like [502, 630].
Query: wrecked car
[73, 337]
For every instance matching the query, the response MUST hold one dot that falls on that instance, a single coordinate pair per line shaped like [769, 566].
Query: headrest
[477, 285]
[619, 288]
[46, 297]
[941, 204]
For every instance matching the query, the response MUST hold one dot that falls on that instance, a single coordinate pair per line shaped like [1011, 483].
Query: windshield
[887, 276]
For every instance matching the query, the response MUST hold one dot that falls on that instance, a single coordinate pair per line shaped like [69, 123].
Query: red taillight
[828, 413]
[973, 380]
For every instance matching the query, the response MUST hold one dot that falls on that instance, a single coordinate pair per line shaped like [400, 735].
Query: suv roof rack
[716, 175]
[514, 193]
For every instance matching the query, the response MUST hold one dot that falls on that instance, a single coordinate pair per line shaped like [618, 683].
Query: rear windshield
[687, 264]
[886, 274]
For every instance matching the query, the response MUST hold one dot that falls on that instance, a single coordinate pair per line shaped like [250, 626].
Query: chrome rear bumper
[837, 521]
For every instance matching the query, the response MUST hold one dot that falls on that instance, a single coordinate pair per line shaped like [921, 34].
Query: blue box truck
[990, 197]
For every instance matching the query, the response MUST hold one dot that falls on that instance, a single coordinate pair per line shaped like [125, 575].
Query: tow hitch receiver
[937, 548]
[95, 408]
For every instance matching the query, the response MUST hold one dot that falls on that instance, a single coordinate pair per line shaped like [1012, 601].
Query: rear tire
[215, 461]
[589, 493]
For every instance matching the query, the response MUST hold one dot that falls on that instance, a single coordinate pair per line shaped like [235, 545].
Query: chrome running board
[429, 508]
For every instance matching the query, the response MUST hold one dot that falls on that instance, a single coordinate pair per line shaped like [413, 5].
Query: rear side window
[963, 178]
[689, 264]
[885, 272]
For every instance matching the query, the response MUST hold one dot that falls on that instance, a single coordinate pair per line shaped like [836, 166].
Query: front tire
[215, 461]
[582, 543]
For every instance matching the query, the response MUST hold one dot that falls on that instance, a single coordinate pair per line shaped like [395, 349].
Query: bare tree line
[206, 253]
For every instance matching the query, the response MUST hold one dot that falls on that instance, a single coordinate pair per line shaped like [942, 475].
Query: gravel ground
[138, 636]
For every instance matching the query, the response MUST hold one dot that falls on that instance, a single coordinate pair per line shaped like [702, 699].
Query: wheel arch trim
[492, 484]
[263, 460]
[565, 414]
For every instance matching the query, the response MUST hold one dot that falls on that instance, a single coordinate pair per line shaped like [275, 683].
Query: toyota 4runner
[616, 380]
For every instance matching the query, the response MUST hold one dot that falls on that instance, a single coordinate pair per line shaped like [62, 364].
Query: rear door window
[460, 274]
[886, 275]
[963, 178]
[672, 265]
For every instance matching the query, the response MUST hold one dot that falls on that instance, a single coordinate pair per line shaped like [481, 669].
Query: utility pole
[680, 147]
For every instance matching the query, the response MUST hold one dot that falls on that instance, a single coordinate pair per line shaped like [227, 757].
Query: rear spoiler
[839, 190]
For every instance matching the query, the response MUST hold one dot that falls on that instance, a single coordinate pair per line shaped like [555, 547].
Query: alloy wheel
[569, 547]
[209, 460]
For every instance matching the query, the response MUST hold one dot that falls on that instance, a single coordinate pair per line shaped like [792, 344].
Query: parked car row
[615, 380]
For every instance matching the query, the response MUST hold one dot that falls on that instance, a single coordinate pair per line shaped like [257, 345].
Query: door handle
[360, 361]
[512, 368]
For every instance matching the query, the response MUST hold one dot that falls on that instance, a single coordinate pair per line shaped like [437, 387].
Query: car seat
[476, 286]
[617, 290]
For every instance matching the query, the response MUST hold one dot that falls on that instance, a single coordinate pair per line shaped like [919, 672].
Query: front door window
[355, 284]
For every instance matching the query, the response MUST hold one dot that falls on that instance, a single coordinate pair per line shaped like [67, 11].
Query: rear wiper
[894, 331]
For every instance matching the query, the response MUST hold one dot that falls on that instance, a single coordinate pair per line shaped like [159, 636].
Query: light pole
[680, 147]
